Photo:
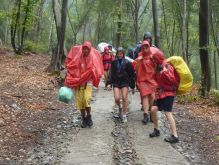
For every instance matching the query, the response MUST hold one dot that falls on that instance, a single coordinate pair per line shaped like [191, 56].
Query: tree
[58, 54]
[183, 28]
[119, 24]
[203, 43]
[21, 20]
[155, 20]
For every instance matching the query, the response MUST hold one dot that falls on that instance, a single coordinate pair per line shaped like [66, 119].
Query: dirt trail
[111, 142]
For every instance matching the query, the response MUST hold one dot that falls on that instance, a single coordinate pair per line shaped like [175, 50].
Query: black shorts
[120, 86]
[165, 104]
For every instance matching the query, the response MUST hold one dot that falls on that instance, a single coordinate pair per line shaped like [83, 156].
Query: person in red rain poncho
[107, 58]
[145, 82]
[167, 80]
[84, 70]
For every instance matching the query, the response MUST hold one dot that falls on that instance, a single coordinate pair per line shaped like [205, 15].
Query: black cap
[147, 35]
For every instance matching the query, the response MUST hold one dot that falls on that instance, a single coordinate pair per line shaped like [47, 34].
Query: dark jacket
[122, 74]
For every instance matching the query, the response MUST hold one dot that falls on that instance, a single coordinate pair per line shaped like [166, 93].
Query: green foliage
[190, 97]
[18, 56]
[215, 95]
[187, 98]
[34, 47]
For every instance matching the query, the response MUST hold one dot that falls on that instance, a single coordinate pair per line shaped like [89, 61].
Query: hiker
[130, 53]
[167, 80]
[145, 81]
[121, 78]
[84, 70]
[107, 58]
[146, 37]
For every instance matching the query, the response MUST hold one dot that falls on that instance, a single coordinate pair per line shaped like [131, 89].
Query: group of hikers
[149, 73]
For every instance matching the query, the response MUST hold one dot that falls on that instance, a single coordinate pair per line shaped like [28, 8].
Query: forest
[36, 36]
[185, 28]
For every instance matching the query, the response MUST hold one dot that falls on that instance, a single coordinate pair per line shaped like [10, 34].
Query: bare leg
[154, 116]
[117, 96]
[171, 121]
[145, 104]
[124, 92]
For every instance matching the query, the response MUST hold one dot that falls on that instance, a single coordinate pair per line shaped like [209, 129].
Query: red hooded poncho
[167, 80]
[107, 58]
[145, 71]
[82, 69]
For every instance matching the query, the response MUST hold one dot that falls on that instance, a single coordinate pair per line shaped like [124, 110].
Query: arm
[167, 74]
[131, 74]
[110, 76]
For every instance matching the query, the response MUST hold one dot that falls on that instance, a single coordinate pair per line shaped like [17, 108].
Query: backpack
[186, 78]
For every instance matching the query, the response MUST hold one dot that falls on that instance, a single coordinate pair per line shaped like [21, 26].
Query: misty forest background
[179, 27]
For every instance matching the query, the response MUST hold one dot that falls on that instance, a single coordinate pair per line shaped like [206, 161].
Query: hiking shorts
[165, 104]
[83, 97]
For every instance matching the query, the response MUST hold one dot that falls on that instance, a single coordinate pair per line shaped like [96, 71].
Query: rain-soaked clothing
[83, 69]
[145, 71]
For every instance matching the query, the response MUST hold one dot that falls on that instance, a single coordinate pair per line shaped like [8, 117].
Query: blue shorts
[165, 104]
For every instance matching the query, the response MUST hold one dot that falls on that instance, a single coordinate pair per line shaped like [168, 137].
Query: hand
[108, 87]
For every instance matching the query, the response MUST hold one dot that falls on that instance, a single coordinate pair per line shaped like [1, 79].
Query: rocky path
[92, 146]
[111, 142]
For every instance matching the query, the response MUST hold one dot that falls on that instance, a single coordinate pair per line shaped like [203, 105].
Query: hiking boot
[155, 133]
[118, 114]
[171, 139]
[89, 121]
[84, 122]
[145, 119]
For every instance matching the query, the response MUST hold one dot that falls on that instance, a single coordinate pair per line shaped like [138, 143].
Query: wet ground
[35, 128]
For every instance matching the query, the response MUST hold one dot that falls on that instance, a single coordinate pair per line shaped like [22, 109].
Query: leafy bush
[215, 94]
[33, 47]
[191, 96]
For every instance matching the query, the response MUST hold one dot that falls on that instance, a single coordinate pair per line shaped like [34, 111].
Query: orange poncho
[82, 69]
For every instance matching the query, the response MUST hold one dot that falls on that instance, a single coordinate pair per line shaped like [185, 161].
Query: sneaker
[124, 119]
[145, 119]
[155, 133]
[89, 121]
[84, 122]
[171, 139]
[118, 114]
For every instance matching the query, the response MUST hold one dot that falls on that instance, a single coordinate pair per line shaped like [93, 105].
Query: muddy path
[35, 128]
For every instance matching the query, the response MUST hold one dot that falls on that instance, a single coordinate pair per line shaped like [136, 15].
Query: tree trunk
[215, 40]
[215, 70]
[58, 55]
[14, 24]
[165, 29]
[203, 44]
[118, 33]
[187, 38]
[24, 26]
[155, 20]
[39, 14]
[136, 20]
[184, 37]
[6, 31]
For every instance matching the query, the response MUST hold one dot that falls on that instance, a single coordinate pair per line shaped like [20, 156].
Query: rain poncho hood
[82, 69]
